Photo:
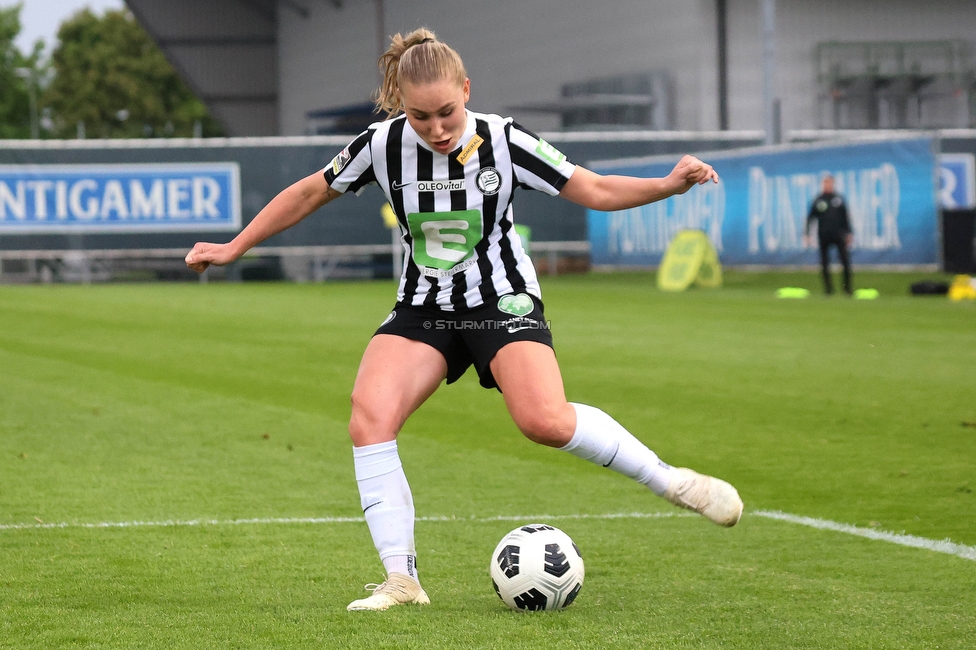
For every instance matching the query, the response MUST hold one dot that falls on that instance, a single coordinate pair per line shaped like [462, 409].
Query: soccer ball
[536, 567]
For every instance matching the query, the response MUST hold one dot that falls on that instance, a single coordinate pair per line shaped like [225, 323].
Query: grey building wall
[516, 51]
[226, 51]
[263, 64]
[801, 24]
[522, 51]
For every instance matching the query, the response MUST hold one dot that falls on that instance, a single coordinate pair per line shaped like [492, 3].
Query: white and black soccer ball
[537, 567]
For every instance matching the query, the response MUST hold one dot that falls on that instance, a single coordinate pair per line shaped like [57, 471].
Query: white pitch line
[331, 520]
[946, 546]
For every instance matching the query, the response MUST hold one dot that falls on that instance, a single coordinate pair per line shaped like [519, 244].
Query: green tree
[110, 75]
[17, 71]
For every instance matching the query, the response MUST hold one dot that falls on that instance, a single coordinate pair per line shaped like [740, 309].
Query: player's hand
[204, 254]
[690, 172]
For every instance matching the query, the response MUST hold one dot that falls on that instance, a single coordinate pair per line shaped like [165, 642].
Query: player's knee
[372, 421]
[547, 425]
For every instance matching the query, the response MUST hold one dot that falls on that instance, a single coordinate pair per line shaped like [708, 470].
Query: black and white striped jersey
[460, 249]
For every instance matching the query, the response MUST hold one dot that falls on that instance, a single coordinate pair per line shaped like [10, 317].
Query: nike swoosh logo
[397, 186]
[371, 505]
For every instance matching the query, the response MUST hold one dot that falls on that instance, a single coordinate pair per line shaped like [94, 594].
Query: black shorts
[472, 336]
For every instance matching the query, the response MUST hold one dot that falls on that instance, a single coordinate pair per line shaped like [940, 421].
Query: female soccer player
[468, 293]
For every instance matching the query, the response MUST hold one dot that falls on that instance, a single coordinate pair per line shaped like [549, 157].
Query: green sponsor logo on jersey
[550, 153]
[518, 305]
[442, 240]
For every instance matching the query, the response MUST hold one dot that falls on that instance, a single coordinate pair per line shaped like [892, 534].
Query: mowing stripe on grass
[944, 546]
[332, 520]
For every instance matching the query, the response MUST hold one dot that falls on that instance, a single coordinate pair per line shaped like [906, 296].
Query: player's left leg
[528, 375]
[845, 260]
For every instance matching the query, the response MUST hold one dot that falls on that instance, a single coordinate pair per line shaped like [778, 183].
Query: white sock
[602, 440]
[387, 505]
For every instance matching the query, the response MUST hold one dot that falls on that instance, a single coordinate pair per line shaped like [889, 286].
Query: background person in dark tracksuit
[833, 229]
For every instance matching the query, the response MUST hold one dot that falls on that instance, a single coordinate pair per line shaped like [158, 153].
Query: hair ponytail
[416, 58]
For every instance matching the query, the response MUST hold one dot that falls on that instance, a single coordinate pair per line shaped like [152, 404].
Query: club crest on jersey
[488, 180]
[339, 162]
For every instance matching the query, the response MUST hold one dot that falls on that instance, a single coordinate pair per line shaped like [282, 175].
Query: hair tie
[426, 40]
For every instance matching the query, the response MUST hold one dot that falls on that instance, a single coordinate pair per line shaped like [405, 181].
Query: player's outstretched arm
[293, 204]
[608, 193]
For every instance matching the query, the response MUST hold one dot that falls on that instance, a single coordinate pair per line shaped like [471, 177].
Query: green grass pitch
[222, 403]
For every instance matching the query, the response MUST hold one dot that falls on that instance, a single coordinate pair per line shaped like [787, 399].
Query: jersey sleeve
[352, 168]
[537, 164]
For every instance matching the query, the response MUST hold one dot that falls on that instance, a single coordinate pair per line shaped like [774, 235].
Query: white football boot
[399, 589]
[710, 497]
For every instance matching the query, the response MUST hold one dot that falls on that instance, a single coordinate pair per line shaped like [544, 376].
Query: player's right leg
[825, 267]
[532, 386]
[395, 377]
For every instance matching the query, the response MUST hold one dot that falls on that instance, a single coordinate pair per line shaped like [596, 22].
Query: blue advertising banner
[123, 198]
[957, 181]
[757, 214]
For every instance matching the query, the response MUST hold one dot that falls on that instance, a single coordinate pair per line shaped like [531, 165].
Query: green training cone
[792, 292]
[866, 294]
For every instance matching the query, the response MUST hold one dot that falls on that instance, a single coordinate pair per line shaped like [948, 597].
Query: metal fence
[346, 238]
[267, 263]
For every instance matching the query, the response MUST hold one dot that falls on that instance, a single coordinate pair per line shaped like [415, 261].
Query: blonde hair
[417, 58]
